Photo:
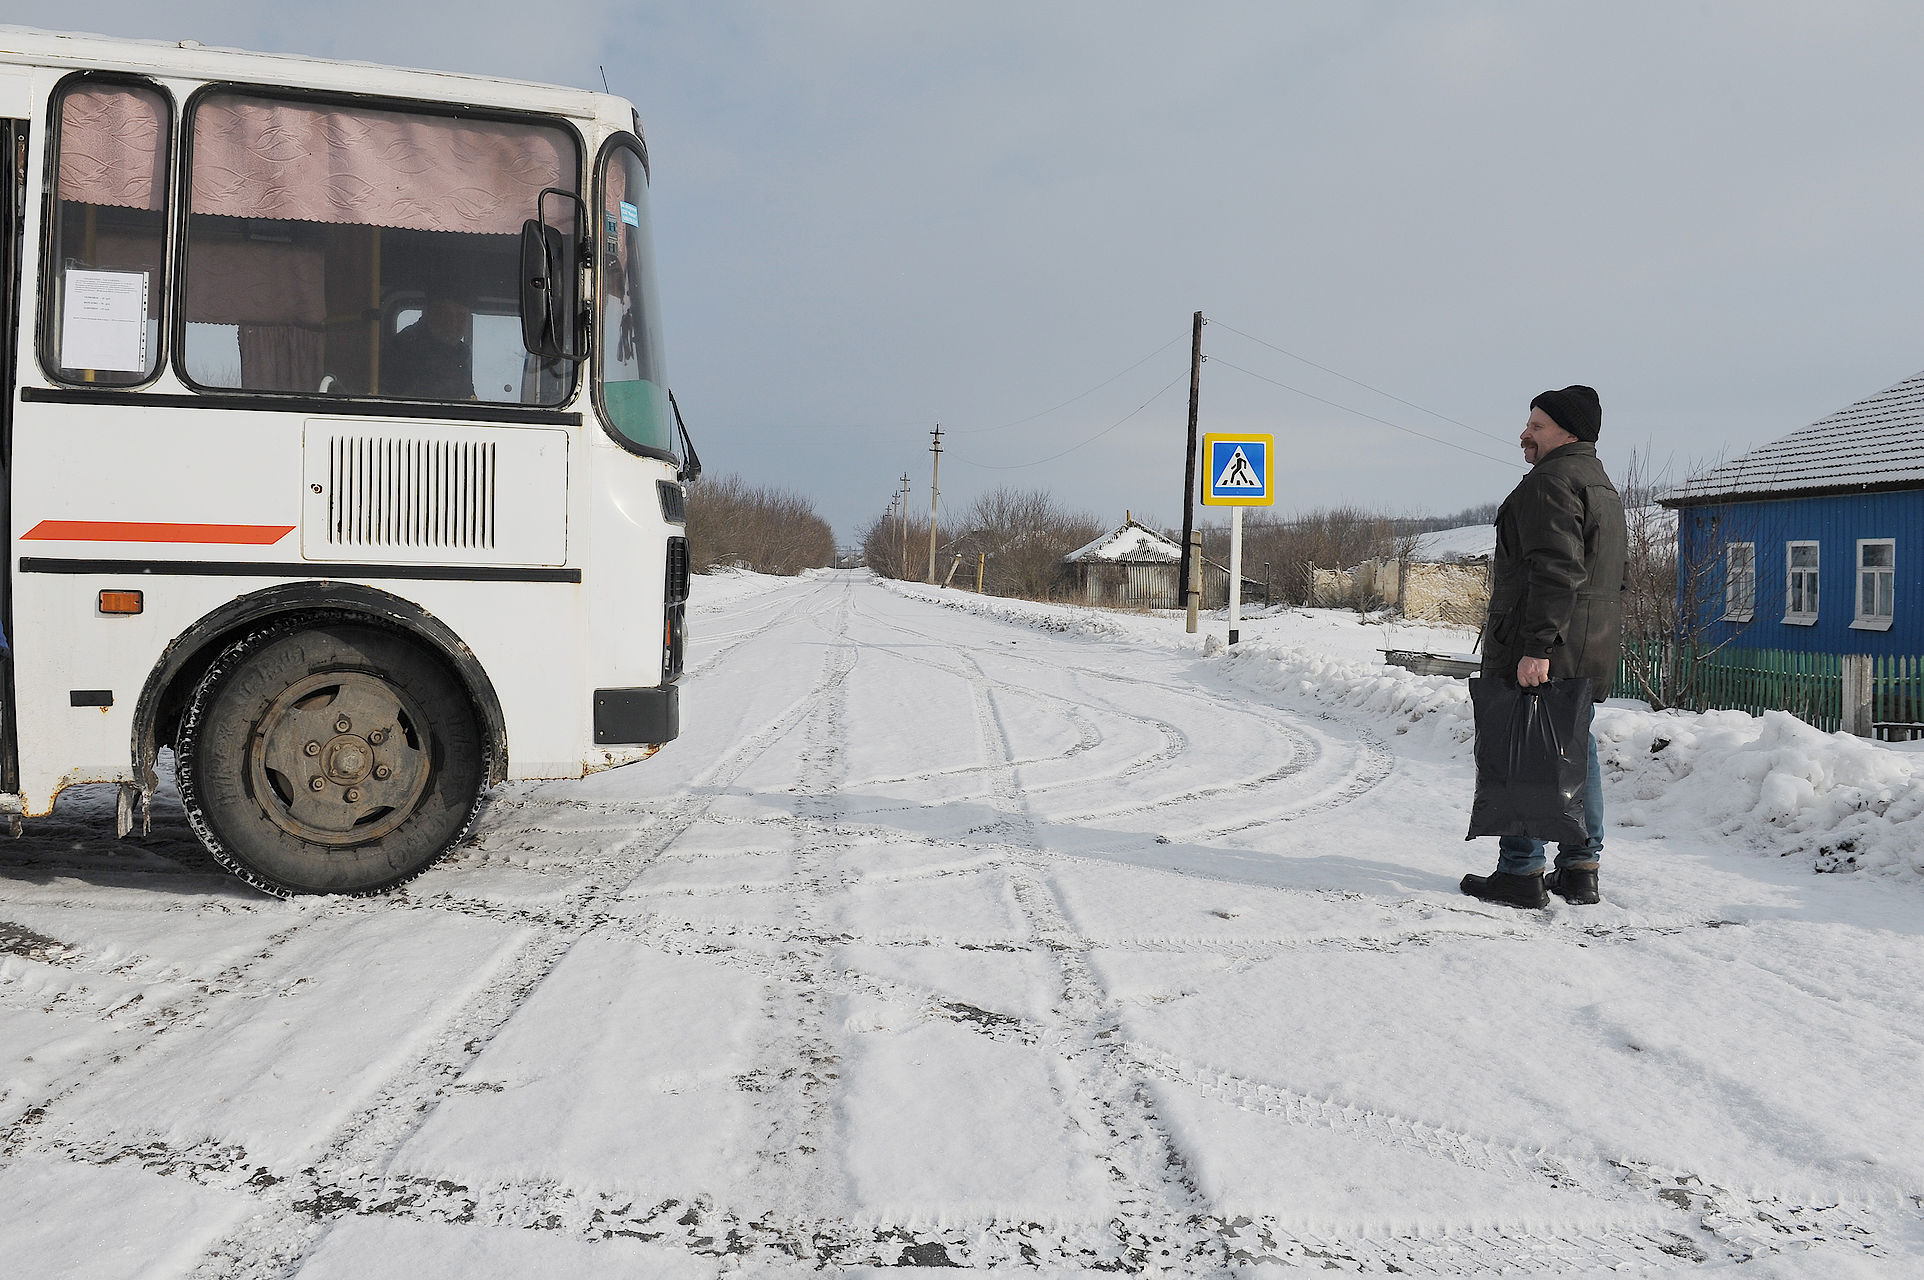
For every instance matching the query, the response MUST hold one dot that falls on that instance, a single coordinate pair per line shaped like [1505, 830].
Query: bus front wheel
[329, 757]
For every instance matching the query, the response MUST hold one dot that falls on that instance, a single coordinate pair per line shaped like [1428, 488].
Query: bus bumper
[630, 717]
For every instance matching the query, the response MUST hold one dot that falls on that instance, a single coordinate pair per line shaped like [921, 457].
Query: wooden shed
[1131, 567]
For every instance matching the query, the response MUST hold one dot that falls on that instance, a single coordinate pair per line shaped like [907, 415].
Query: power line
[1017, 466]
[824, 426]
[1394, 426]
[1072, 399]
[962, 431]
[1355, 382]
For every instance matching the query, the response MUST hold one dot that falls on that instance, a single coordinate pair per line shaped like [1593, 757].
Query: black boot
[1510, 890]
[1576, 885]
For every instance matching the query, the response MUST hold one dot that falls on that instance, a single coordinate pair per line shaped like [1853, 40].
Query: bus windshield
[632, 391]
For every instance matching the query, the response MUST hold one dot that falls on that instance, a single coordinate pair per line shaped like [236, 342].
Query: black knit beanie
[1576, 409]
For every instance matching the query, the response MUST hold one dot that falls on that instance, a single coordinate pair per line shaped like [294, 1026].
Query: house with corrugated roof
[1132, 567]
[1813, 542]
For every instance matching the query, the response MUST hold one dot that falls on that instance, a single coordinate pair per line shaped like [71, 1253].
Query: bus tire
[326, 755]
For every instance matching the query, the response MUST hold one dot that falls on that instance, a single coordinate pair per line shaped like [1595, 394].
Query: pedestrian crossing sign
[1238, 472]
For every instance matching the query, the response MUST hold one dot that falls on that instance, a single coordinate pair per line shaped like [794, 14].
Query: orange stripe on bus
[245, 535]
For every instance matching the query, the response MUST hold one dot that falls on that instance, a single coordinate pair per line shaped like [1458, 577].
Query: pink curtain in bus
[257, 282]
[310, 163]
[113, 147]
[281, 357]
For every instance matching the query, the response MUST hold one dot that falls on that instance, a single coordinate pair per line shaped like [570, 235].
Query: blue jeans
[1522, 856]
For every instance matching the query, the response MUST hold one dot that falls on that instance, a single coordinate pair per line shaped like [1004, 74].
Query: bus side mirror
[550, 276]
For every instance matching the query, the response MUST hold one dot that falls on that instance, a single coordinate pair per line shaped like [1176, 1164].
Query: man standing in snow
[1556, 611]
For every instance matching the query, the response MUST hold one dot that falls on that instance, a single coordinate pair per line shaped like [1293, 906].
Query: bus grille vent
[674, 501]
[412, 493]
[677, 576]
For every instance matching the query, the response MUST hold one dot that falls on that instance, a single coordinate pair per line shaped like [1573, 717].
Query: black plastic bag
[1532, 759]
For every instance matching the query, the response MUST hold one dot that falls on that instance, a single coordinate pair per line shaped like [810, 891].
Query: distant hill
[1478, 541]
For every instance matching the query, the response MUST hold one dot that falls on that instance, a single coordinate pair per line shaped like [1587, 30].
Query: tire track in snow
[786, 612]
[518, 817]
[336, 1188]
[801, 1057]
[1165, 1213]
[298, 1207]
[1740, 1225]
[1155, 1187]
[1175, 742]
[134, 1024]
[1374, 760]
[1082, 992]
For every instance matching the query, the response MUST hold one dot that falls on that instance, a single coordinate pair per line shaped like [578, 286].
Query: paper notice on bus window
[104, 322]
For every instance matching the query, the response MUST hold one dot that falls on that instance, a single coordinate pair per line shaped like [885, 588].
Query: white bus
[337, 452]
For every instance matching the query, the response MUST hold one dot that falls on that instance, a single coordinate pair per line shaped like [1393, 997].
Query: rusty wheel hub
[340, 758]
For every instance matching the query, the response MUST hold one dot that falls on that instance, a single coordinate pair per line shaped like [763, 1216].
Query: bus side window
[103, 285]
[356, 249]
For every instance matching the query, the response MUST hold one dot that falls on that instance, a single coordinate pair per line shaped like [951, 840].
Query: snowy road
[938, 940]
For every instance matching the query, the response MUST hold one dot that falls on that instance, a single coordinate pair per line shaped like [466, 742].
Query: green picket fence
[1808, 685]
[1897, 690]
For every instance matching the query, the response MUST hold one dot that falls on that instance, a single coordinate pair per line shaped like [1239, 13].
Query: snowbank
[1103, 624]
[1770, 783]
[725, 585]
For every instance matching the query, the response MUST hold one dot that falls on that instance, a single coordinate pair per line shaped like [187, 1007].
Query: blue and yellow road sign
[1238, 471]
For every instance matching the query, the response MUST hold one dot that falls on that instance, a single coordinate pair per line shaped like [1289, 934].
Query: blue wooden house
[1813, 542]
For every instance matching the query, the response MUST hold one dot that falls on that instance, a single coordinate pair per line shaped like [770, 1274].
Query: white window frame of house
[1800, 585]
[1868, 617]
[1740, 591]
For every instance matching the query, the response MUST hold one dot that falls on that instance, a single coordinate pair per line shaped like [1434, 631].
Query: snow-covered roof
[1131, 544]
[1876, 443]
[1447, 546]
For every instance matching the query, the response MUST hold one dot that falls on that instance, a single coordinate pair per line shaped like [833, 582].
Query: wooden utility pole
[1188, 572]
[935, 495]
[902, 526]
[1193, 596]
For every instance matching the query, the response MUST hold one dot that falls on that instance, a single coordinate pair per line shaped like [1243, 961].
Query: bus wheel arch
[188, 657]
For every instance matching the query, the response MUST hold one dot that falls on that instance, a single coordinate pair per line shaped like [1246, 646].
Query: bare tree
[1025, 536]
[1333, 538]
[732, 523]
[888, 552]
[1672, 610]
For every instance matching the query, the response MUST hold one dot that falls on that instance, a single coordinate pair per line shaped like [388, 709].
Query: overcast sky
[872, 217]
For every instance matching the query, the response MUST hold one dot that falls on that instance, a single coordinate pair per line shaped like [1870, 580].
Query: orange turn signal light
[120, 601]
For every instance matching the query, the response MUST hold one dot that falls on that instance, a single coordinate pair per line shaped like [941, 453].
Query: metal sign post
[1239, 476]
[1235, 573]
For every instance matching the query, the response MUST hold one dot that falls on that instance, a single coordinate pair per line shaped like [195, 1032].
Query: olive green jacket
[1556, 587]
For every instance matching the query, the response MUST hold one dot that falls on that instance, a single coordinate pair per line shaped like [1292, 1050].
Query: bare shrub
[1333, 538]
[733, 524]
[1024, 534]
[889, 544]
[1482, 513]
[1671, 609]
